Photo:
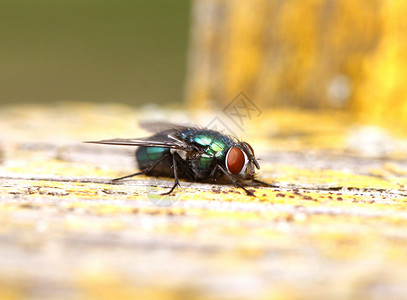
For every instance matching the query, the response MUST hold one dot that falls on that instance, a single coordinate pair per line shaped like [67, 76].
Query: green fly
[192, 153]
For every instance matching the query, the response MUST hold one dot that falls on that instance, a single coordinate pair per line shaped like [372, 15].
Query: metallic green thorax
[214, 146]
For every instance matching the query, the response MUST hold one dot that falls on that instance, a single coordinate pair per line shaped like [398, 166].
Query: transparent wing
[160, 126]
[153, 141]
[167, 135]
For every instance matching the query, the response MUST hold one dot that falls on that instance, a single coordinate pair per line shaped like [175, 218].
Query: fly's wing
[165, 140]
[162, 126]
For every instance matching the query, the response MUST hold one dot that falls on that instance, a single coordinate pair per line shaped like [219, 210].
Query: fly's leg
[146, 171]
[175, 156]
[174, 167]
[265, 184]
[127, 176]
[235, 182]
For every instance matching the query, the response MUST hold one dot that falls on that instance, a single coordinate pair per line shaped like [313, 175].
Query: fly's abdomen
[149, 156]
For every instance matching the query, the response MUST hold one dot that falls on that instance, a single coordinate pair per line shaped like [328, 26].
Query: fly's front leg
[265, 184]
[235, 182]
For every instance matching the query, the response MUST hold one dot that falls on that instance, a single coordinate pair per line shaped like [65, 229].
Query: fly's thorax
[215, 146]
[213, 143]
[240, 161]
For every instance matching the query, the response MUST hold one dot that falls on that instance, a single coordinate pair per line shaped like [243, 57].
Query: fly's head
[241, 162]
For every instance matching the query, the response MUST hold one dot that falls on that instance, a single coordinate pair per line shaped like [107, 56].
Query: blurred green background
[124, 51]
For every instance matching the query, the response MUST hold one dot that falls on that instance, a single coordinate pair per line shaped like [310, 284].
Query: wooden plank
[335, 227]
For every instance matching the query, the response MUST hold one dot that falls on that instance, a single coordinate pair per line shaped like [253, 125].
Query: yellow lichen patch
[96, 282]
[58, 168]
[395, 170]
[330, 178]
[10, 292]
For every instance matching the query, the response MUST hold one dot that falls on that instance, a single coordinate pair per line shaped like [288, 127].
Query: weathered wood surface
[322, 53]
[335, 229]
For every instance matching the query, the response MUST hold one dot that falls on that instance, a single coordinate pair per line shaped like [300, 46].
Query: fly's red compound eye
[235, 160]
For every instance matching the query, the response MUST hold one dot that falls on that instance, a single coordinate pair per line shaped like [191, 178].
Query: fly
[191, 153]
